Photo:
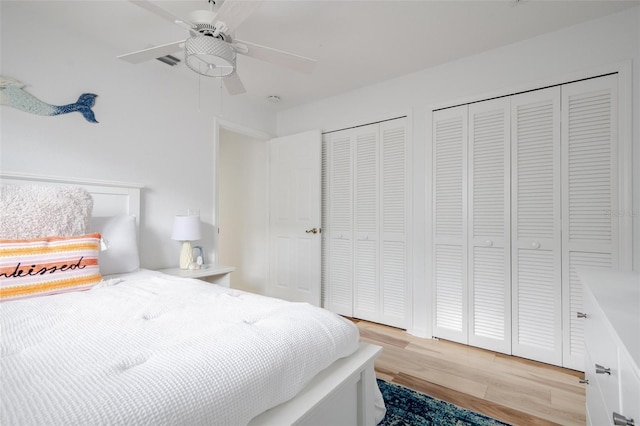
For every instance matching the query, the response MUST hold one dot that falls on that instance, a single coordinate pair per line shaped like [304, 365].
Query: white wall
[524, 65]
[243, 209]
[153, 128]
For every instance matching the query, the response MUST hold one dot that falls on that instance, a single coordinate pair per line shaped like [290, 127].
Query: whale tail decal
[85, 102]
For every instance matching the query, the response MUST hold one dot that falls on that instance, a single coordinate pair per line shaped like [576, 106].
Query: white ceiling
[356, 43]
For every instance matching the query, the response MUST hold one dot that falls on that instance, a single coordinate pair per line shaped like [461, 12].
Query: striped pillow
[42, 266]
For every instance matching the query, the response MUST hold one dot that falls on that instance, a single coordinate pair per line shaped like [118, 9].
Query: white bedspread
[154, 349]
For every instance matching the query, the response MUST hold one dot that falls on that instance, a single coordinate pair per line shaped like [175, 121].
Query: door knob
[312, 231]
[619, 419]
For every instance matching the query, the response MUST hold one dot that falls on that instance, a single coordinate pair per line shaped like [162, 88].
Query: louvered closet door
[324, 216]
[393, 218]
[366, 267]
[489, 233]
[589, 183]
[450, 233]
[536, 251]
[339, 226]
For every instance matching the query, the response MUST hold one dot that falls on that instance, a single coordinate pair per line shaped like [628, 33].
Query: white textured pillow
[119, 235]
[32, 211]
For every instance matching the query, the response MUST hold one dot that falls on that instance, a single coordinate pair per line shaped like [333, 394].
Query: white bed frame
[342, 394]
[109, 198]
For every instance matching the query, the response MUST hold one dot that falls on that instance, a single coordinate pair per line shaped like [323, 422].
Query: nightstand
[216, 274]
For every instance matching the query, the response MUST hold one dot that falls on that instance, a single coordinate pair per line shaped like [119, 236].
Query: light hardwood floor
[511, 389]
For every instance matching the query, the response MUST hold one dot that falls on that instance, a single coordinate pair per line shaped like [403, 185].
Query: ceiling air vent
[169, 60]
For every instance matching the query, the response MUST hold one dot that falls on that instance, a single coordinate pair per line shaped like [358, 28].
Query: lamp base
[186, 255]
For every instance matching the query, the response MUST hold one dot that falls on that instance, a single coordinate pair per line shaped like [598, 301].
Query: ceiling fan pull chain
[199, 92]
[220, 96]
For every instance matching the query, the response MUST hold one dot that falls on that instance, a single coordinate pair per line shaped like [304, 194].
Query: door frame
[218, 125]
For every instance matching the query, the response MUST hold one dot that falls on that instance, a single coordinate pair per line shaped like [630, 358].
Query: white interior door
[338, 232]
[450, 226]
[394, 192]
[590, 188]
[294, 220]
[366, 299]
[535, 232]
[489, 225]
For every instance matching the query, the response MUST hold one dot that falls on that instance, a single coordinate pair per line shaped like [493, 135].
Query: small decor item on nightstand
[186, 229]
[199, 258]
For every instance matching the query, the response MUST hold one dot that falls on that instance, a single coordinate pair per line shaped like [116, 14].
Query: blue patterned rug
[406, 407]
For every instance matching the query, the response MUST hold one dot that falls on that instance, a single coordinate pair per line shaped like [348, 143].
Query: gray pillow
[120, 237]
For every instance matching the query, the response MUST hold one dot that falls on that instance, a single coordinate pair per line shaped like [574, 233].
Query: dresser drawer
[603, 350]
[629, 389]
[598, 414]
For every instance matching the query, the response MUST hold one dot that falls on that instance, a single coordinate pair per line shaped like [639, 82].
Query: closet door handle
[619, 419]
[488, 243]
[602, 370]
[535, 245]
[581, 315]
[312, 231]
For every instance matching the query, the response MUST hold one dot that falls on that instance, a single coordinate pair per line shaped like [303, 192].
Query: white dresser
[612, 347]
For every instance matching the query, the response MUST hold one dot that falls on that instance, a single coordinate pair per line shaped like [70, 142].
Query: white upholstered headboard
[109, 198]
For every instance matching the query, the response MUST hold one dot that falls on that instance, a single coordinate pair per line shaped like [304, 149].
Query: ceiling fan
[211, 49]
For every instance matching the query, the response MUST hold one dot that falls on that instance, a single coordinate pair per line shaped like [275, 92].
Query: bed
[140, 347]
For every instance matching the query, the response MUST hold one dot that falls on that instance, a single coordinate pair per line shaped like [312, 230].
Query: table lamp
[186, 229]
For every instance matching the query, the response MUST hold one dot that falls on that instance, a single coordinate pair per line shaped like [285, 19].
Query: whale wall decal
[12, 94]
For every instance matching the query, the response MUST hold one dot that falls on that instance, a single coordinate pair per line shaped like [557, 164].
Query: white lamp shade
[186, 228]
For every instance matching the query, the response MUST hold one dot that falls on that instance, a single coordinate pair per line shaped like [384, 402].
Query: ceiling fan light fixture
[209, 56]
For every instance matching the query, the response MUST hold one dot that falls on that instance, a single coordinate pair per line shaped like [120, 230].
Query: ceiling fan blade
[152, 52]
[233, 12]
[157, 10]
[275, 56]
[233, 84]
